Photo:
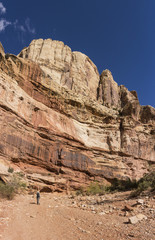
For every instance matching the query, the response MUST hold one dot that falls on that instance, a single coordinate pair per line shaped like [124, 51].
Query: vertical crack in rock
[41, 48]
[59, 152]
[121, 134]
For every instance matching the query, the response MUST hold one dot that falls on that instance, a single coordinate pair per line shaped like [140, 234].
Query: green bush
[148, 181]
[17, 183]
[145, 183]
[20, 174]
[122, 185]
[93, 189]
[10, 170]
[80, 191]
[9, 189]
[96, 188]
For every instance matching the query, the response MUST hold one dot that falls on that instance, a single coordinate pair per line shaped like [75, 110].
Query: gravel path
[59, 217]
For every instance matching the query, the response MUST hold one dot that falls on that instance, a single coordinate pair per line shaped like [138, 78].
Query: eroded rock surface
[73, 70]
[108, 91]
[58, 114]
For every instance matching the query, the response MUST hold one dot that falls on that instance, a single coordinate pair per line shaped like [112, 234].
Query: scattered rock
[94, 212]
[99, 223]
[126, 214]
[127, 208]
[137, 218]
[102, 213]
[140, 201]
[131, 235]
[83, 230]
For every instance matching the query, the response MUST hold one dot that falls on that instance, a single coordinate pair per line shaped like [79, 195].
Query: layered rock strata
[58, 116]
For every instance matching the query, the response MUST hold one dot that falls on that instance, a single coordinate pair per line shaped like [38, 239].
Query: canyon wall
[61, 123]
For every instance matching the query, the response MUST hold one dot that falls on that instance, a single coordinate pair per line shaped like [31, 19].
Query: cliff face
[57, 114]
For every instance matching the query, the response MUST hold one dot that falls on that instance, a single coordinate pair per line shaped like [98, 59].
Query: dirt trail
[58, 218]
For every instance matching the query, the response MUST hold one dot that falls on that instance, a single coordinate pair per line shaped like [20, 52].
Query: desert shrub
[148, 181]
[7, 191]
[122, 185]
[96, 188]
[145, 183]
[10, 170]
[93, 189]
[17, 182]
[14, 186]
[80, 191]
[20, 174]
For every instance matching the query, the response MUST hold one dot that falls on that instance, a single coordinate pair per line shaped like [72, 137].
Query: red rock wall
[70, 134]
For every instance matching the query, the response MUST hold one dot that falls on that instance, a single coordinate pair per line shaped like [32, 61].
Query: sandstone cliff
[64, 124]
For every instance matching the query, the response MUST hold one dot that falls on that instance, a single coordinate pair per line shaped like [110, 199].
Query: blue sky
[118, 35]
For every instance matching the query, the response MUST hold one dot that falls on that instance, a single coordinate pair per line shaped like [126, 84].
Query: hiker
[38, 197]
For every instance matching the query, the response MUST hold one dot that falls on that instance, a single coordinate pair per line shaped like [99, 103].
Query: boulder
[137, 218]
[128, 208]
